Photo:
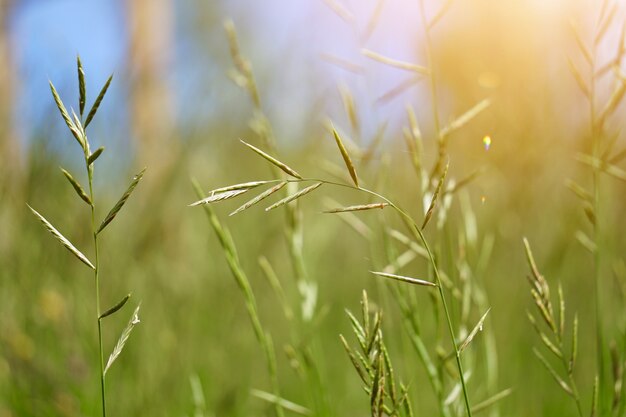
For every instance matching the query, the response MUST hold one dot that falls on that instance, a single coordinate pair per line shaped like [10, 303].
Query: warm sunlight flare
[487, 142]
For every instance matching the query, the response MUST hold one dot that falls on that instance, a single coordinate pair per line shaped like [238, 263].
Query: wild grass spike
[77, 128]
[119, 346]
[96, 104]
[62, 239]
[360, 207]
[259, 197]
[115, 308]
[407, 66]
[403, 278]
[346, 157]
[433, 200]
[77, 187]
[120, 203]
[274, 161]
[212, 198]
[475, 330]
[95, 155]
[292, 197]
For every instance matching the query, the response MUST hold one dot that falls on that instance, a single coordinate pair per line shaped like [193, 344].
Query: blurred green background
[173, 108]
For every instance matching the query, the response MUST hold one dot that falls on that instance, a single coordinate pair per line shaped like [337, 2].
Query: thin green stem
[97, 283]
[570, 375]
[415, 228]
[418, 233]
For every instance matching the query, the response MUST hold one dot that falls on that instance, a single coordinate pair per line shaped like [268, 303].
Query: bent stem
[97, 282]
[417, 233]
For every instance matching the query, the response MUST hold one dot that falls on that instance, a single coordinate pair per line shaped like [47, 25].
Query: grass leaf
[355, 362]
[594, 398]
[554, 374]
[273, 160]
[287, 405]
[578, 190]
[407, 66]
[77, 187]
[96, 103]
[82, 91]
[466, 117]
[475, 330]
[212, 198]
[580, 81]
[346, 158]
[360, 207]
[292, 197]
[66, 116]
[118, 206]
[115, 308]
[62, 239]
[242, 186]
[572, 361]
[491, 400]
[433, 201]
[259, 198]
[119, 346]
[604, 166]
[405, 279]
[581, 45]
[95, 155]
[606, 23]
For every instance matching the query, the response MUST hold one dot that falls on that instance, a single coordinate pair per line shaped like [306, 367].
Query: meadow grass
[78, 127]
[396, 301]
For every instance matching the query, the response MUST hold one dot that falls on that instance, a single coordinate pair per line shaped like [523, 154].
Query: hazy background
[172, 107]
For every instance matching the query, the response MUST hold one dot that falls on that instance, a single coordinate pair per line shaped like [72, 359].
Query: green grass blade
[287, 405]
[273, 160]
[360, 207]
[96, 104]
[355, 361]
[115, 308]
[491, 400]
[346, 157]
[77, 187]
[475, 330]
[119, 346]
[82, 90]
[433, 201]
[259, 198]
[243, 186]
[118, 206]
[402, 278]
[293, 197]
[66, 116]
[564, 385]
[68, 245]
[574, 354]
[212, 198]
[95, 155]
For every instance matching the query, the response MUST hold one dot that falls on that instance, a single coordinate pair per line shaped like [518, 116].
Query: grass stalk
[417, 232]
[94, 231]
[77, 127]
[263, 338]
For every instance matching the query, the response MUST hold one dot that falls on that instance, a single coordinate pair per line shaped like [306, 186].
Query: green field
[492, 218]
